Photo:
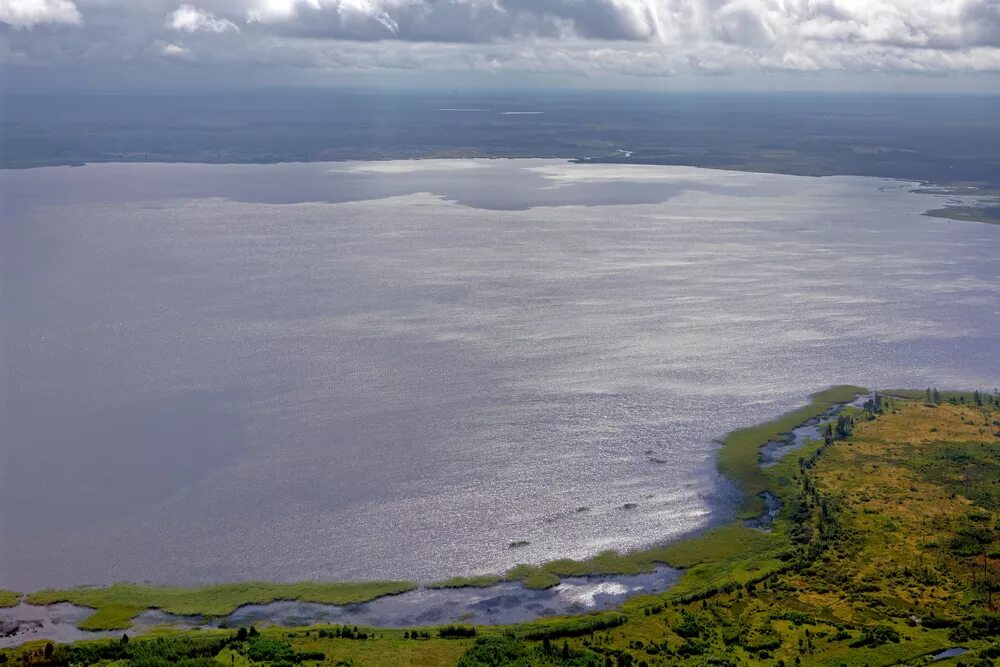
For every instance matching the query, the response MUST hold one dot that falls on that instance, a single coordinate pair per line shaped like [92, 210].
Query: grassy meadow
[886, 551]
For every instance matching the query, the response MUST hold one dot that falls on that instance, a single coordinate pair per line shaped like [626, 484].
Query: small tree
[843, 430]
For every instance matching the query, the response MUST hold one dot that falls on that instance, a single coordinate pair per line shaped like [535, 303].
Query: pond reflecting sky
[397, 369]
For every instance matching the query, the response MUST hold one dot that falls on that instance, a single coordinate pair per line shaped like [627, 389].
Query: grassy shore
[988, 214]
[984, 208]
[9, 598]
[739, 456]
[116, 606]
[886, 551]
[481, 581]
[731, 548]
[735, 549]
[960, 397]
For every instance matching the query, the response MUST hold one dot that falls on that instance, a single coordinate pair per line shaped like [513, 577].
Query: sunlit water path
[372, 370]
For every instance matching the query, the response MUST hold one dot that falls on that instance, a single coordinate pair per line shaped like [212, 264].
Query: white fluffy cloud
[173, 50]
[750, 23]
[188, 18]
[28, 13]
[588, 37]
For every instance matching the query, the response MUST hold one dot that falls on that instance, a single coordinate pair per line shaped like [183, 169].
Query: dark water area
[349, 371]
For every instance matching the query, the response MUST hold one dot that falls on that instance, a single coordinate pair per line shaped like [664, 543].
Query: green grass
[110, 617]
[9, 598]
[739, 457]
[117, 605]
[533, 577]
[570, 626]
[946, 396]
[708, 555]
[987, 214]
[479, 581]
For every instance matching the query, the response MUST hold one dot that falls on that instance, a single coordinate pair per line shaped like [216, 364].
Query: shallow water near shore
[396, 370]
[500, 604]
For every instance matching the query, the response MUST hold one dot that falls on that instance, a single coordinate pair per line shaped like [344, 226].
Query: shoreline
[986, 212]
[689, 564]
[843, 592]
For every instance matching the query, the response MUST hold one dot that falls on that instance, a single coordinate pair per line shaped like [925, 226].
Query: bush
[692, 647]
[457, 632]
[572, 627]
[876, 636]
[690, 626]
[971, 540]
[978, 628]
[269, 650]
[495, 652]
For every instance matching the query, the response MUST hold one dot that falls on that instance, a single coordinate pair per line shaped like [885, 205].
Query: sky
[932, 45]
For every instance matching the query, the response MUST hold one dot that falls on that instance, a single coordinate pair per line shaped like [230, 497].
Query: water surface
[357, 370]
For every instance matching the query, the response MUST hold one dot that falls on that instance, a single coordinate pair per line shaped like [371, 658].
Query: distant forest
[940, 140]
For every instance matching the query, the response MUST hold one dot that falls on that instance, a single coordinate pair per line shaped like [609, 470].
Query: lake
[398, 369]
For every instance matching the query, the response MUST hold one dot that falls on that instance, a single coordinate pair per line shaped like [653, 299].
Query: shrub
[495, 652]
[978, 628]
[876, 636]
[457, 632]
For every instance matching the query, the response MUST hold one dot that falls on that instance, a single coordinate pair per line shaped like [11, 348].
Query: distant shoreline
[988, 211]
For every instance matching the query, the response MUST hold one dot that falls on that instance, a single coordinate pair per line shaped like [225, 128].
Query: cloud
[188, 18]
[459, 20]
[174, 51]
[28, 13]
[757, 24]
[586, 38]
[981, 22]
